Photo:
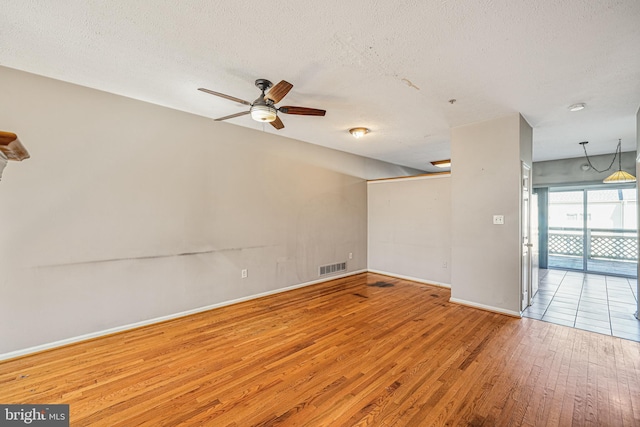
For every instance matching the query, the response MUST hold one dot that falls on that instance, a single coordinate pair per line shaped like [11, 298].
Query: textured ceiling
[391, 66]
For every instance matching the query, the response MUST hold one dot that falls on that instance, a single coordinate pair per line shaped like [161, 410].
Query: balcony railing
[599, 243]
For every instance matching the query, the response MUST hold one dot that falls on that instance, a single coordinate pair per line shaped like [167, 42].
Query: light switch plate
[498, 219]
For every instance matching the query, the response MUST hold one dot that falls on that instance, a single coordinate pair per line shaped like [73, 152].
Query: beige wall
[485, 181]
[128, 211]
[410, 228]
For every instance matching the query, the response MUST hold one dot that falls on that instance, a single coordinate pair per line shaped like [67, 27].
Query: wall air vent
[332, 268]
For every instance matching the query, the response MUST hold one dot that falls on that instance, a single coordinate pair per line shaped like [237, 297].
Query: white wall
[410, 228]
[485, 181]
[128, 211]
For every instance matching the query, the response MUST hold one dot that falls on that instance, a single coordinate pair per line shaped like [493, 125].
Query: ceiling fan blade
[231, 116]
[279, 91]
[222, 95]
[7, 137]
[277, 123]
[302, 111]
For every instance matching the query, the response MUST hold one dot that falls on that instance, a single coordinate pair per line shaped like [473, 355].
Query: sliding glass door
[594, 230]
[612, 230]
[566, 230]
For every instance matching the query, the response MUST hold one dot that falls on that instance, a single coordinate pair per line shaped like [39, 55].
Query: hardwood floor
[341, 353]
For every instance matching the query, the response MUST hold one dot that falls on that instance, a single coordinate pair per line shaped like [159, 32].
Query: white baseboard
[413, 279]
[485, 307]
[72, 340]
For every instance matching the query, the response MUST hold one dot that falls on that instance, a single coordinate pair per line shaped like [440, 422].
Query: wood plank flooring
[341, 353]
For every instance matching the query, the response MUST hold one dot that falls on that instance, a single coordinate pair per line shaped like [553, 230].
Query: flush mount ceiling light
[442, 163]
[617, 177]
[577, 107]
[359, 132]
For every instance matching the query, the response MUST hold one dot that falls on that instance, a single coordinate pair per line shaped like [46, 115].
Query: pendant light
[617, 177]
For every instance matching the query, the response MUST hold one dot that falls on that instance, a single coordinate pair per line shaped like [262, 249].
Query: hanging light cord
[618, 155]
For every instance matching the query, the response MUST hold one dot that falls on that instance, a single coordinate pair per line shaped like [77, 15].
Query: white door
[535, 249]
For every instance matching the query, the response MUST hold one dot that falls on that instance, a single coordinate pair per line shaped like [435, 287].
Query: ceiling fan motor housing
[262, 109]
[263, 84]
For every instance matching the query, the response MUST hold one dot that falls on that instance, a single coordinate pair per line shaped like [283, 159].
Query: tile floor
[603, 304]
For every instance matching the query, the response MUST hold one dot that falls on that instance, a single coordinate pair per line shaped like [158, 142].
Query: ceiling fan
[263, 109]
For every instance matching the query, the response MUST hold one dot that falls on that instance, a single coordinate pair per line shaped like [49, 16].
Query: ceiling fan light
[619, 177]
[263, 113]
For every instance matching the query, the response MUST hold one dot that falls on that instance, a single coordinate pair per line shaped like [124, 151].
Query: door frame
[525, 235]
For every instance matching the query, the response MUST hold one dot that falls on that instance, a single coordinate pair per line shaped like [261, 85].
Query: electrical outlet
[444, 264]
[244, 273]
[498, 219]
[350, 255]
